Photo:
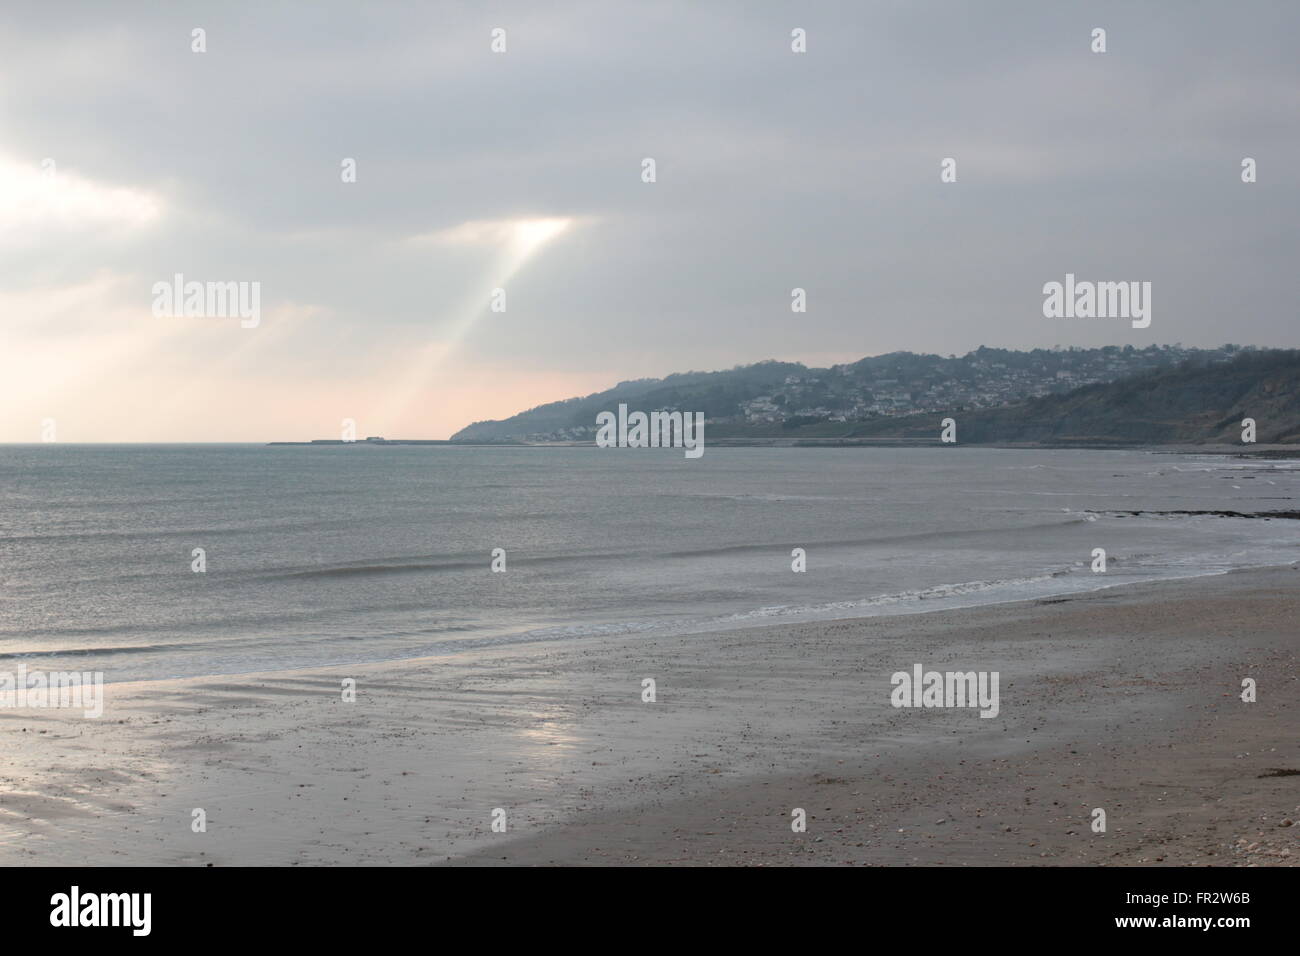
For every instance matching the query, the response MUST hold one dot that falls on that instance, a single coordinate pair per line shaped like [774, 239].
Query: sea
[316, 555]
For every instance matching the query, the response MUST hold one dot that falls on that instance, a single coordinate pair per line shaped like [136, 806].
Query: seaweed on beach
[1292, 515]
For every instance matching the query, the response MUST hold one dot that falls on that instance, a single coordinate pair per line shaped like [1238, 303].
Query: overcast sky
[523, 170]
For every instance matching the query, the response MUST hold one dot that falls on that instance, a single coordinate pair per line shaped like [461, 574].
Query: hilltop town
[781, 397]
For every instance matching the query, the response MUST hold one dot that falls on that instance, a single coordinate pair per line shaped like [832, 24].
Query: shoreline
[746, 722]
[1280, 450]
[783, 616]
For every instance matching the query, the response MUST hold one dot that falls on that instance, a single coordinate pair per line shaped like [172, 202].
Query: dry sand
[1125, 699]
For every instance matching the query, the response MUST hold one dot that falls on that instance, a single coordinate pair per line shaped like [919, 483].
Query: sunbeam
[519, 241]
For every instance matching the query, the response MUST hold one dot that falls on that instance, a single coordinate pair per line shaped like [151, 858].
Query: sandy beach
[1125, 699]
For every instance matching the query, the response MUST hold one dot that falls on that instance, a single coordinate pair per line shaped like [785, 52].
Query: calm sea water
[345, 554]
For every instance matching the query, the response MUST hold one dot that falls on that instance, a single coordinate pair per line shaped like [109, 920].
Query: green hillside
[1110, 395]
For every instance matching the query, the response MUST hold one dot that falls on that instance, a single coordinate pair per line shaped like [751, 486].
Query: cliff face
[1188, 404]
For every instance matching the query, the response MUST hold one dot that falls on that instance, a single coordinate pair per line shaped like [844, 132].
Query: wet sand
[1125, 699]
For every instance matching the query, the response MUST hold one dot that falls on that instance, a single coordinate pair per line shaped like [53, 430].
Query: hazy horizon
[558, 398]
[129, 158]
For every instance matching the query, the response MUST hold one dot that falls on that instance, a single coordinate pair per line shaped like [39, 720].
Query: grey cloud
[775, 170]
